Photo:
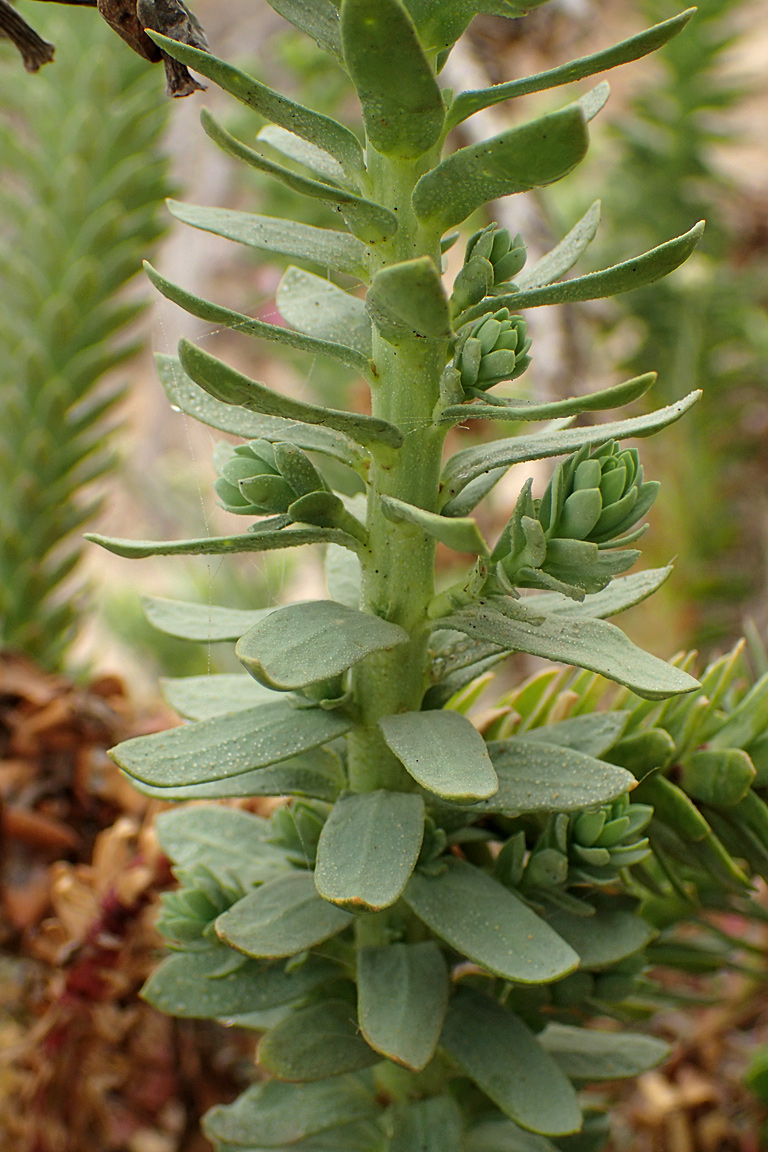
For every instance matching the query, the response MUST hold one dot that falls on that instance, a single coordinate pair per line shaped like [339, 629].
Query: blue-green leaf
[402, 104]
[564, 255]
[320, 163]
[593, 644]
[472, 463]
[368, 848]
[232, 387]
[496, 1050]
[593, 734]
[443, 751]
[320, 130]
[228, 842]
[190, 398]
[315, 640]
[459, 533]
[316, 773]
[624, 277]
[318, 308]
[227, 745]
[316, 1042]
[623, 592]
[203, 697]
[606, 938]
[517, 160]
[402, 996]
[337, 250]
[209, 623]
[467, 103]
[586, 1054]
[282, 918]
[206, 310]
[191, 984]
[487, 923]
[269, 537]
[369, 222]
[509, 408]
[273, 1114]
[535, 776]
[407, 302]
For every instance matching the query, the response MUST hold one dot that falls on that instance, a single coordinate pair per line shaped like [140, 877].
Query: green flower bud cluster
[261, 479]
[585, 849]
[597, 496]
[491, 260]
[495, 348]
[188, 914]
[562, 541]
[296, 827]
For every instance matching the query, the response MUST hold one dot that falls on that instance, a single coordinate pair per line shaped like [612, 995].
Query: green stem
[398, 563]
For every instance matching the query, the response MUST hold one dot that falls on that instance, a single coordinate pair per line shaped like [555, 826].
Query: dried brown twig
[129, 19]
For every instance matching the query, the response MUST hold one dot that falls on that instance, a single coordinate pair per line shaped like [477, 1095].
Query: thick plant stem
[398, 564]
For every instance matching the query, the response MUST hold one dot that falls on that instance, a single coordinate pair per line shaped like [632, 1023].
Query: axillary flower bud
[495, 349]
[561, 542]
[597, 496]
[260, 479]
[491, 260]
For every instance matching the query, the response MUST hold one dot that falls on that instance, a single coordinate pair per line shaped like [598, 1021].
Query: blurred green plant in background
[80, 204]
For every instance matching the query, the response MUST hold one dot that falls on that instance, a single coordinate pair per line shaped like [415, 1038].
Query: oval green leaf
[190, 984]
[282, 918]
[273, 1114]
[605, 938]
[208, 623]
[585, 1054]
[489, 924]
[316, 1042]
[203, 697]
[407, 302]
[401, 100]
[402, 996]
[517, 160]
[593, 644]
[227, 745]
[313, 641]
[431, 1125]
[368, 848]
[502, 1056]
[443, 752]
[227, 842]
[538, 777]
